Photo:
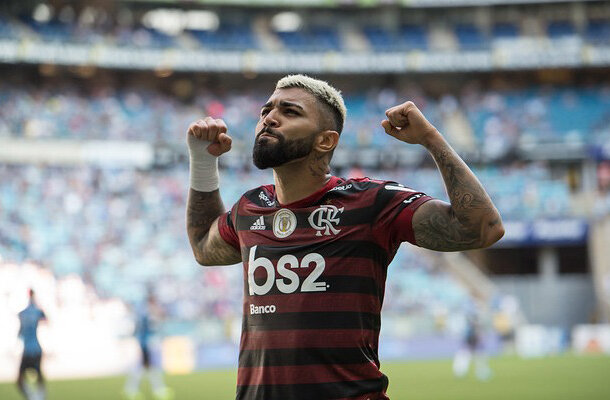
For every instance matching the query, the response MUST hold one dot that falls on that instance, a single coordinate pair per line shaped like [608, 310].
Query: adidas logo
[258, 225]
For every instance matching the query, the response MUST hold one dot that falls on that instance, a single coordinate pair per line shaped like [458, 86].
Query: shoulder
[384, 188]
[353, 185]
[262, 196]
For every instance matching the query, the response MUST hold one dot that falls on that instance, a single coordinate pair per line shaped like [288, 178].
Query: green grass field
[555, 378]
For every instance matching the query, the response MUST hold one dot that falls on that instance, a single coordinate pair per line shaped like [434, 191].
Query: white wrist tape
[204, 166]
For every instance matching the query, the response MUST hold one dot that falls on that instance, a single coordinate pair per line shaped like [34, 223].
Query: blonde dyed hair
[321, 90]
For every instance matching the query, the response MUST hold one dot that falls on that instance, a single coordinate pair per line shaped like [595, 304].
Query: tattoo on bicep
[217, 251]
[438, 229]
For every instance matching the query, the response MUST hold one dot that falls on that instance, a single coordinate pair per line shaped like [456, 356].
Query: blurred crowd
[491, 123]
[122, 231]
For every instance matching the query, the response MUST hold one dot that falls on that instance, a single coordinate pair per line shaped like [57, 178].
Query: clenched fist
[211, 133]
[405, 122]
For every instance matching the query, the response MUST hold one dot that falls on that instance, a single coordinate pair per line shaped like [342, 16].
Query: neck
[298, 179]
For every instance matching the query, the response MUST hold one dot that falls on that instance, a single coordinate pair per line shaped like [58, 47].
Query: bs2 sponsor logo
[288, 280]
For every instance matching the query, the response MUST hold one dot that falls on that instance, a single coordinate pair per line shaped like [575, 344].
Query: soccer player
[315, 247]
[148, 317]
[472, 349]
[29, 318]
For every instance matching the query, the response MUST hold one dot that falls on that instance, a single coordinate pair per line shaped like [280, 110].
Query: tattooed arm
[207, 139]
[209, 248]
[471, 220]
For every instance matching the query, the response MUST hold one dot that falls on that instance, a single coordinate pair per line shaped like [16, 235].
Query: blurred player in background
[148, 317]
[472, 350]
[32, 352]
[315, 247]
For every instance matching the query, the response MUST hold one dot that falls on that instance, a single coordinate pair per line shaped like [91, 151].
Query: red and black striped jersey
[314, 280]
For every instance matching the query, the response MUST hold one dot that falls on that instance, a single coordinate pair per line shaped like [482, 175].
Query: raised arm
[471, 220]
[207, 139]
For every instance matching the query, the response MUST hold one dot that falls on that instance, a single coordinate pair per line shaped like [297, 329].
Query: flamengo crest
[323, 218]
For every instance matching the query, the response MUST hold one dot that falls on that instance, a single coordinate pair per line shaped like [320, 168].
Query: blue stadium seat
[598, 31]
[414, 37]
[470, 37]
[6, 28]
[382, 39]
[227, 37]
[53, 30]
[505, 30]
[558, 29]
[326, 37]
[315, 38]
[294, 40]
[160, 39]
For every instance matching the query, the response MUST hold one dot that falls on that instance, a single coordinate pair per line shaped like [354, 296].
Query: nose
[270, 120]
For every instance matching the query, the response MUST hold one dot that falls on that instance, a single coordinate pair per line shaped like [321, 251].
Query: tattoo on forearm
[471, 214]
[202, 210]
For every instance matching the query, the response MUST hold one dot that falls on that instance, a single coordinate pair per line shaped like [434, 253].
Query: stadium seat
[53, 30]
[414, 37]
[470, 37]
[227, 37]
[598, 31]
[505, 31]
[558, 29]
[160, 39]
[6, 28]
[314, 38]
[382, 39]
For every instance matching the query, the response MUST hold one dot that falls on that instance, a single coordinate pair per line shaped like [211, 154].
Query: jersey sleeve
[226, 227]
[394, 218]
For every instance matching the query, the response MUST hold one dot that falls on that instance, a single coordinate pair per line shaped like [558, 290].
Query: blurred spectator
[32, 352]
[149, 317]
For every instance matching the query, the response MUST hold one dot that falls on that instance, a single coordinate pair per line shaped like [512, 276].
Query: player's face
[286, 128]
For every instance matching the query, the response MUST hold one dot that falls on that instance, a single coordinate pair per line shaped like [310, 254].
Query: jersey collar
[312, 198]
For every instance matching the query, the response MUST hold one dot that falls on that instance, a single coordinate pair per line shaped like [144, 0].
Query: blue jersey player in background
[147, 318]
[32, 352]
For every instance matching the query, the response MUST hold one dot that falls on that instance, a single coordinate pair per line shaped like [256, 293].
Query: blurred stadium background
[95, 99]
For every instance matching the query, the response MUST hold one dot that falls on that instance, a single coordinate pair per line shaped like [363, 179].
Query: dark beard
[269, 155]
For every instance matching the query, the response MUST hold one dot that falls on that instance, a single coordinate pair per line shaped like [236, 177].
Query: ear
[326, 141]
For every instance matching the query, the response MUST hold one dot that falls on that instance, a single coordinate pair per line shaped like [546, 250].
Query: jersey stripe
[315, 391]
[305, 302]
[304, 356]
[307, 338]
[312, 320]
[297, 374]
